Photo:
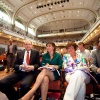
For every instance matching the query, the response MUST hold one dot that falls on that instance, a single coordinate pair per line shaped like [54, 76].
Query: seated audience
[86, 53]
[75, 67]
[95, 46]
[25, 64]
[50, 59]
[95, 61]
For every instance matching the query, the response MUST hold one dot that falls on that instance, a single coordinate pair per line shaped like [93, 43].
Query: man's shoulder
[20, 51]
[96, 51]
[34, 50]
[86, 50]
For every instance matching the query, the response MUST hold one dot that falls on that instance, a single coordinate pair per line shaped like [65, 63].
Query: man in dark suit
[26, 62]
[11, 52]
[95, 61]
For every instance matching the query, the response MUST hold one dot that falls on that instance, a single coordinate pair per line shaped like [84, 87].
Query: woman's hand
[47, 65]
[86, 68]
[54, 66]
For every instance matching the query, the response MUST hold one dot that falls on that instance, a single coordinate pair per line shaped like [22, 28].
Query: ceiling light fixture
[52, 3]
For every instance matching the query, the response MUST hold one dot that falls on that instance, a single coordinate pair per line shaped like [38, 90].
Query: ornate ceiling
[55, 20]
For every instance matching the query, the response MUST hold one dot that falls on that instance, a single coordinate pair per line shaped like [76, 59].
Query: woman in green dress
[50, 59]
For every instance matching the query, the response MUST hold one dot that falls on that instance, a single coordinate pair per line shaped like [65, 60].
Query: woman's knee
[81, 75]
[46, 80]
[44, 71]
[78, 73]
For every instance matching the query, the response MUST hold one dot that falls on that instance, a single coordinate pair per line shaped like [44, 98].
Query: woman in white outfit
[75, 67]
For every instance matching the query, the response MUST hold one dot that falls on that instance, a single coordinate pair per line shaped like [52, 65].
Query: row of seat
[60, 86]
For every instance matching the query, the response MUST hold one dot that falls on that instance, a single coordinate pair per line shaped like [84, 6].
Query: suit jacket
[95, 60]
[14, 49]
[34, 59]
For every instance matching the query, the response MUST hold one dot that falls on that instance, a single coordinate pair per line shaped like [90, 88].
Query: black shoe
[50, 99]
[46, 99]
[37, 97]
[40, 98]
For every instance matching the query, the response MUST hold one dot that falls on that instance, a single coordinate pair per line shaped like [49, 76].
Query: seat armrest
[62, 77]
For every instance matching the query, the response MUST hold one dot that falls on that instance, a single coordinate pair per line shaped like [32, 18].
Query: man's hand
[98, 70]
[22, 67]
[29, 68]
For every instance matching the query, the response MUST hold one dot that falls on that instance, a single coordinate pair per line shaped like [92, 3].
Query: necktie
[27, 58]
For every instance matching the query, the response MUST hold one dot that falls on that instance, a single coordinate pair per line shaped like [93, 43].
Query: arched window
[31, 31]
[4, 16]
[19, 24]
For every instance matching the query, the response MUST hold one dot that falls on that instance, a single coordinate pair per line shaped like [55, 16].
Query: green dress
[56, 60]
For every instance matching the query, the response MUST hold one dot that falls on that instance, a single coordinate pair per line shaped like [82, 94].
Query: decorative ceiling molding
[63, 10]
[15, 14]
[18, 10]
[63, 19]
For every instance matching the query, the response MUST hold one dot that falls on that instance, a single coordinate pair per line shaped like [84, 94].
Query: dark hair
[98, 39]
[81, 43]
[69, 44]
[53, 44]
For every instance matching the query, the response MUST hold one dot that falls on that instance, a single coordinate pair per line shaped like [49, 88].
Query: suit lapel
[23, 55]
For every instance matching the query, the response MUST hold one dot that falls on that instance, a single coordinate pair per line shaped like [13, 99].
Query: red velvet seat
[55, 95]
[55, 85]
[98, 87]
[17, 85]
[55, 90]
[89, 89]
[97, 91]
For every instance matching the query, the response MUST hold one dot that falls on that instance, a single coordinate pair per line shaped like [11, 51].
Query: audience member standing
[11, 52]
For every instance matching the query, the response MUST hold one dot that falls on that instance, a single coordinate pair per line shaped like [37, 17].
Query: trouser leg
[6, 86]
[10, 92]
[81, 93]
[26, 84]
[12, 61]
[76, 85]
[97, 76]
[8, 63]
